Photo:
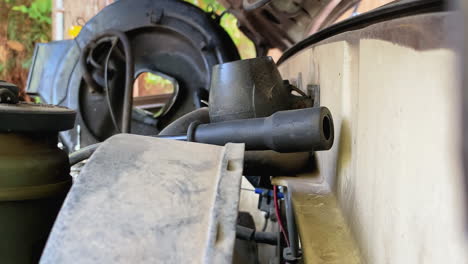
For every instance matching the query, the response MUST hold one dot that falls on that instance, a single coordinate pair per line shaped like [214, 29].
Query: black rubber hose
[129, 72]
[303, 130]
[256, 163]
[272, 163]
[181, 124]
[245, 233]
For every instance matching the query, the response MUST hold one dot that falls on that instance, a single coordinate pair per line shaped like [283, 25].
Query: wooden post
[75, 13]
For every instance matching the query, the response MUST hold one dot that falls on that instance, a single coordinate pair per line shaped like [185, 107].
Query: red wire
[275, 200]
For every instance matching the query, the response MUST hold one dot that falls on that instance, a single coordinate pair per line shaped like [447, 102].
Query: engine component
[256, 163]
[285, 131]
[249, 234]
[8, 93]
[308, 129]
[178, 208]
[268, 163]
[181, 125]
[272, 163]
[129, 73]
[172, 38]
[282, 23]
[249, 89]
[34, 177]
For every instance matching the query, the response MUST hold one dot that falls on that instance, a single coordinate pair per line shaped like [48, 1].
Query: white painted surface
[58, 20]
[395, 166]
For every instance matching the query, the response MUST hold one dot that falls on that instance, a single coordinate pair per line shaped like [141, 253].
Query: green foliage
[26, 63]
[229, 23]
[39, 10]
[30, 24]
[27, 23]
[153, 79]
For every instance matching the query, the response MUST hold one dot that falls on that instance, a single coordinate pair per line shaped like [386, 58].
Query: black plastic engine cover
[169, 37]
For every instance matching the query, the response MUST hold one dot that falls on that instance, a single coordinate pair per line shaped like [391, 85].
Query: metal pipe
[176, 137]
[58, 21]
[291, 224]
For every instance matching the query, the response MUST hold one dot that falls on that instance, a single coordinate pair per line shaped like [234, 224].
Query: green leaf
[48, 20]
[26, 64]
[44, 6]
[20, 8]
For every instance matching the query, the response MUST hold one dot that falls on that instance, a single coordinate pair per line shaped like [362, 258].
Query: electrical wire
[280, 222]
[106, 85]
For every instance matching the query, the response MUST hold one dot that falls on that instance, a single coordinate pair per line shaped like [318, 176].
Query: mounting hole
[326, 124]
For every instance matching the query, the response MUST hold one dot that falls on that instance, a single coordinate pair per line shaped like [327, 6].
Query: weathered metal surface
[149, 200]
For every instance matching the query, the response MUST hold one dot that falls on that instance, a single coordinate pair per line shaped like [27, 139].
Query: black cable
[91, 59]
[106, 85]
[129, 72]
[87, 77]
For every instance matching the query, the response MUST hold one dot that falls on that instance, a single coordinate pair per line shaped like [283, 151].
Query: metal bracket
[313, 90]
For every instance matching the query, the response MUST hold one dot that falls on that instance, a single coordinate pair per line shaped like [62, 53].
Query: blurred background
[23, 23]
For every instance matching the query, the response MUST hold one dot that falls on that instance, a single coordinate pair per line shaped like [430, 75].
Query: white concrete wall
[395, 166]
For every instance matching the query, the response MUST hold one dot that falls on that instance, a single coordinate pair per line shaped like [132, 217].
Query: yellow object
[74, 31]
[323, 231]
